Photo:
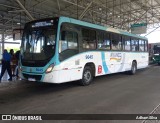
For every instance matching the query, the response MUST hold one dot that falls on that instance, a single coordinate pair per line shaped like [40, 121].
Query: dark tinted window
[116, 42]
[134, 44]
[146, 45]
[126, 43]
[68, 45]
[88, 38]
[141, 45]
[103, 40]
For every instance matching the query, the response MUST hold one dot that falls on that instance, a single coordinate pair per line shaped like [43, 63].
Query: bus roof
[105, 28]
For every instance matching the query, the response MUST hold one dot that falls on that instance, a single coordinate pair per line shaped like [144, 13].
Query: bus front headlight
[50, 68]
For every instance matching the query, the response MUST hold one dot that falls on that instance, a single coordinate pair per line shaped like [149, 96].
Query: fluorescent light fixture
[100, 9]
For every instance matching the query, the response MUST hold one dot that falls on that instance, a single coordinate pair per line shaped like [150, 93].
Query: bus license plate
[31, 79]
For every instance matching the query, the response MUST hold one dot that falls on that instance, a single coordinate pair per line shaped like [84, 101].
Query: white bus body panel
[105, 63]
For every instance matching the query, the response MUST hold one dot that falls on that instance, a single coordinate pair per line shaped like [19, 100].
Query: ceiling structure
[115, 13]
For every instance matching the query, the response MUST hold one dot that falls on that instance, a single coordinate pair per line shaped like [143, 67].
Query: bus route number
[89, 56]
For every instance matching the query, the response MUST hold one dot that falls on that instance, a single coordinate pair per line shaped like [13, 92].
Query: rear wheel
[87, 76]
[133, 68]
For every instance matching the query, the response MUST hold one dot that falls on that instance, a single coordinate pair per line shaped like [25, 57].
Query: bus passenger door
[69, 50]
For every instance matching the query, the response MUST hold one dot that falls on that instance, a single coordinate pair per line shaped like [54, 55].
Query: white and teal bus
[63, 49]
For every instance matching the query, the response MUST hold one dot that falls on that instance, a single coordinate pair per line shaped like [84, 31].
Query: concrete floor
[111, 94]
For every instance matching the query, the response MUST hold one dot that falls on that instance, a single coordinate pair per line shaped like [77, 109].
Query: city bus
[156, 54]
[62, 49]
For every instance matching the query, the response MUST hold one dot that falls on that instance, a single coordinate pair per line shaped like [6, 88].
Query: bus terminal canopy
[119, 14]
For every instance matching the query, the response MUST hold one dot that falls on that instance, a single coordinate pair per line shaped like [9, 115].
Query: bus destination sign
[42, 24]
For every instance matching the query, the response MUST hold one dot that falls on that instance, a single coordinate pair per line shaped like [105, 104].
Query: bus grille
[36, 77]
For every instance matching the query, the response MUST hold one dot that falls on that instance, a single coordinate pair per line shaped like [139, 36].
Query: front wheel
[87, 76]
[133, 68]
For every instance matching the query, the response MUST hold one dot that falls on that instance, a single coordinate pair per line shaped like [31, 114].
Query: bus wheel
[87, 76]
[133, 68]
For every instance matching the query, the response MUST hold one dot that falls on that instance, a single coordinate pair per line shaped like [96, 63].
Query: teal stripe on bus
[104, 62]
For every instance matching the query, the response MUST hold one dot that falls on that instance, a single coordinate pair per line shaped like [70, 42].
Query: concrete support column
[2, 44]
[3, 39]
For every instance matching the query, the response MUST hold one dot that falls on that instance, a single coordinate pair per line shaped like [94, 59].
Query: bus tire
[133, 68]
[87, 76]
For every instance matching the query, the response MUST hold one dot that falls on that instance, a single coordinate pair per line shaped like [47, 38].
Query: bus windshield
[156, 49]
[38, 43]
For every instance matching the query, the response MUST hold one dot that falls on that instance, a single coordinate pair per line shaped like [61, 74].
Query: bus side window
[146, 45]
[107, 41]
[126, 43]
[68, 45]
[88, 38]
[134, 44]
[116, 42]
[141, 45]
[100, 38]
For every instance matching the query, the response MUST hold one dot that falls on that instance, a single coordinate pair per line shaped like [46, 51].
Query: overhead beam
[40, 3]
[147, 10]
[10, 19]
[92, 17]
[85, 10]
[75, 4]
[152, 31]
[137, 17]
[17, 10]
[58, 5]
[8, 6]
[25, 10]
[3, 39]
